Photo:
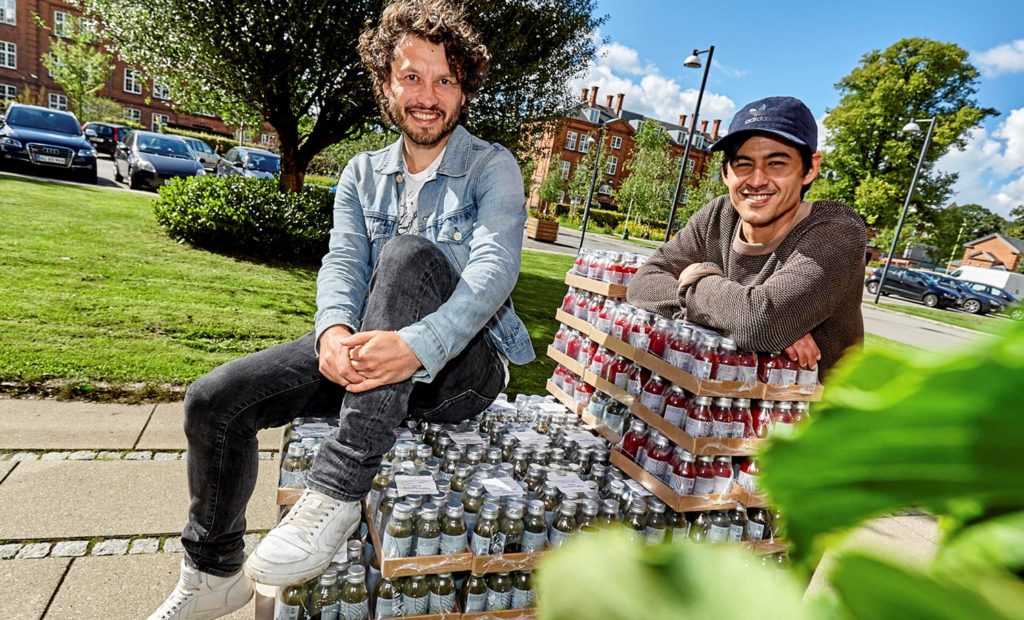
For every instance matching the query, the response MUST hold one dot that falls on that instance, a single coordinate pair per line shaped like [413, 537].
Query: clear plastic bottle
[486, 530]
[398, 533]
[441, 594]
[656, 528]
[294, 468]
[499, 591]
[564, 524]
[474, 594]
[719, 530]
[738, 523]
[428, 531]
[636, 520]
[535, 531]
[416, 596]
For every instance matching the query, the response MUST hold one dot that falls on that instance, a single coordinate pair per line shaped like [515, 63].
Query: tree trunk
[293, 167]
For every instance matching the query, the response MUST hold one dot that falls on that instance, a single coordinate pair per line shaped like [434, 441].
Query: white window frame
[265, 138]
[10, 12]
[61, 22]
[8, 55]
[605, 189]
[160, 91]
[566, 167]
[585, 143]
[690, 165]
[131, 76]
[8, 91]
[612, 165]
[570, 140]
[594, 115]
[616, 142]
[57, 101]
[698, 141]
[133, 114]
[164, 118]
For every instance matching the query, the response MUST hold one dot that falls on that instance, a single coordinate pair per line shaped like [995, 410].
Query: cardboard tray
[615, 291]
[679, 503]
[697, 445]
[582, 412]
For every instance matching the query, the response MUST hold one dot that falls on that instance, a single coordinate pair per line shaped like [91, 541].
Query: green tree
[553, 187]
[647, 190]
[1014, 226]
[578, 187]
[77, 64]
[956, 225]
[705, 188]
[872, 159]
[295, 63]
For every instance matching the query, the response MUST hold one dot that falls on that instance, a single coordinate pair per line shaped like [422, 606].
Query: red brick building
[569, 141]
[994, 250]
[23, 44]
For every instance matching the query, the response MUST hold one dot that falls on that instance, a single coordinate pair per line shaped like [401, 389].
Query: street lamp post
[593, 182]
[911, 127]
[692, 62]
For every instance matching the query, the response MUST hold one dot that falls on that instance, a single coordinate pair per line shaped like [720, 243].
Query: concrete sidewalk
[94, 496]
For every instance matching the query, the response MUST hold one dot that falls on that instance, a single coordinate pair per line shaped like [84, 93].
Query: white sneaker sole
[283, 574]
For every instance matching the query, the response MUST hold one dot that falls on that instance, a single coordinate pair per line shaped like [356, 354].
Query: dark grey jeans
[227, 407]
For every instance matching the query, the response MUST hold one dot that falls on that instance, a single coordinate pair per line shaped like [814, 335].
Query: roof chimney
[583, 95]
[703, 126]
[682, 120]
[715, 126]
[608, 100]
[593, 96]
[618, 103]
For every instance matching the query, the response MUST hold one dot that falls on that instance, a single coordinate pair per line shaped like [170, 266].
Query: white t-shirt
[411, 186]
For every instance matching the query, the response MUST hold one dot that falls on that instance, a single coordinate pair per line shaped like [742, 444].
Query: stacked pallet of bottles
[684, 407]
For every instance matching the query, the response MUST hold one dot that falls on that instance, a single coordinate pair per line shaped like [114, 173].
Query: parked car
[1006, 280]
[148, 160]
[36, 138]
[249, 162]
[206, 155]
[105, 136]
[1011, 302]
[913, 285]
[971, 300]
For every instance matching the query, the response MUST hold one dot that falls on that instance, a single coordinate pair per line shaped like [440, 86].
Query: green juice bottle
[325, 598]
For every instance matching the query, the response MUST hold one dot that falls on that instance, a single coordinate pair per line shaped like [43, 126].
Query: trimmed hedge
[218, 143]
[247, 216]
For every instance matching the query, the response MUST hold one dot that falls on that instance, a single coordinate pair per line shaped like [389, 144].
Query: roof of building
[635, 119]
[1015, 243]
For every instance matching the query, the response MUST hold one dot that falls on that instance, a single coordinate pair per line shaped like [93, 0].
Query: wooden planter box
[542, 230]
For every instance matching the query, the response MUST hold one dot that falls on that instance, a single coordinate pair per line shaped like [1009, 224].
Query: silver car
[203, 152]
[249, 162]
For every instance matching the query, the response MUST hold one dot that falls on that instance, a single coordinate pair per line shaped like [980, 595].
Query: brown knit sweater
[810, 283]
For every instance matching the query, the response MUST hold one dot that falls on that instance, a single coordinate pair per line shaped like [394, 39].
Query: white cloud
[728, 71]
[619, 69]
[991, 167]
[1005, 58]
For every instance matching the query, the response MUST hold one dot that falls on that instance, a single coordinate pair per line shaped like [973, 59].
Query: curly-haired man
[413, 319]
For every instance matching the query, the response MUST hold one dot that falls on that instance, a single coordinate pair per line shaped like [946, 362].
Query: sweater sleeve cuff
[692, 274]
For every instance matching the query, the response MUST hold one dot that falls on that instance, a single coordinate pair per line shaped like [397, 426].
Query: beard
[422, 137]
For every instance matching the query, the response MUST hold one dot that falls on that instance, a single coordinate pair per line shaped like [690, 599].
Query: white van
[1008, 280]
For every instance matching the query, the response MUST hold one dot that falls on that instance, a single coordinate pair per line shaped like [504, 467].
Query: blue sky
[802, 48]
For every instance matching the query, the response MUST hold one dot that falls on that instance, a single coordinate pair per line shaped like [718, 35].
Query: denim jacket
[474, 210]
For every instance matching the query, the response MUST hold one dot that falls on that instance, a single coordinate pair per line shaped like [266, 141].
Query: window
[61, 24]
[616, 142]
[160, 91]
[8, 12]
[565, 169]
[8, 91]
[698, 141]
[8, 55]
[159, 120]
[132, 83]
[585, 142]
[594, 115]
[133, 114]
[690, 163]
[570, 140]
[612, 165]
[54, 63]
[265, 138]
[605, 189]
[58, 102]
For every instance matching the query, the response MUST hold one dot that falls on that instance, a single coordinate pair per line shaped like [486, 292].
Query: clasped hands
[365, 360]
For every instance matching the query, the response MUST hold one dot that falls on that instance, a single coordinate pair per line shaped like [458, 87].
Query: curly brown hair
[437, 21]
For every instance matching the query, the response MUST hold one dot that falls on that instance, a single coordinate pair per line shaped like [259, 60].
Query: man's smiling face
[424, 95]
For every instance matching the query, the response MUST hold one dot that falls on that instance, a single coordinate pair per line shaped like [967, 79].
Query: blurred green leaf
[870, 588]
[937, 431]
[606, 576]
[996, 543]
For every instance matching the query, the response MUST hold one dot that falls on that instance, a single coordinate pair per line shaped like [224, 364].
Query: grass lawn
[96, 295]
[873, 342]
[956, 318]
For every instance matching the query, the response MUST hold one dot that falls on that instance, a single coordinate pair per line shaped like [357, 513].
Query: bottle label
[806, 377]
[641, 457]
[428, 546]
[681, 484]
[747, 481]
[633, 387]
[781, 376]
[604, 325]
[415, 606]
[534, 541]
[441, 603]
[727, 372]
[695, 428]
[453, 543]
[746, 374]
[718, 534]
[373, 498]
[353, 611]
[521, 599]
[549, 518]
[470, 519]
[595, 407]
[654, 535]
[755, 531]
[481, 545]
[388, 608]
[293, 479]
[287, 612]
[559, 344]
[721, 430]
[392, 547]
[681, 534]
[617, 331]
[592, 316]
[476, 602]
[722, 484]
[655, 467]
[498, 543]
[675, 415]
[496, 601]
[558, 537]
[738, 431]
[621, 379]
[700, 369]
[735, 532]
[703, 486]
[333, 612]
[654, 402]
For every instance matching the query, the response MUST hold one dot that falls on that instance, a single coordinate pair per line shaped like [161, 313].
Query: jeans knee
[405, 251]
[207, 401]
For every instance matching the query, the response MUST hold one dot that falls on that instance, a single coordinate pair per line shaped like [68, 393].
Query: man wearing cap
[773, 271]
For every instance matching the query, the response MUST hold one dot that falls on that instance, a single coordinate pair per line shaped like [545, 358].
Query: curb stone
[33, 551]
[110, 547]
[70, 549]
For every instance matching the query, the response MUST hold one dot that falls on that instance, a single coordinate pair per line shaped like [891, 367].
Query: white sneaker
[305, 541]
[202, 596]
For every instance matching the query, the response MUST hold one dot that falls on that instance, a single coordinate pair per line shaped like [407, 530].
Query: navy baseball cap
[786, 117]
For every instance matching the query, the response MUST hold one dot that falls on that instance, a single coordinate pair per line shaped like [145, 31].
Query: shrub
[220, 144]
[249, 216]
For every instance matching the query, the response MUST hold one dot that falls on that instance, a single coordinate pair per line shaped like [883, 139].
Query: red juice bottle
[659, 337]
[617, 365]
[721, 418]
[801, 411]
[558, 378]
[561, 336]
[807, 377]
[698, 418]
[615, 270]
[582, 305]
[573, 344]
[569, 301]
[658, 457]
[704, 483]
[684, 473]
[584, 391]
[723, 474]
[634, 438]
[605, 317]
[599, 361]
[746, 477]
[622, 321]
[654, 393]
[676, 405]
[569, 383]
[579, 266]
[784, 372]
[629, 269]
[640, 329]
[728, 366]
[705, 361]
[645, 450]
[587, 350]
[742, 422]
[638, 376]
[678, 353]
[782, 418]
[761, 415]
[746, 367]
[596, 303]
[766, 363]
[595, 270]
